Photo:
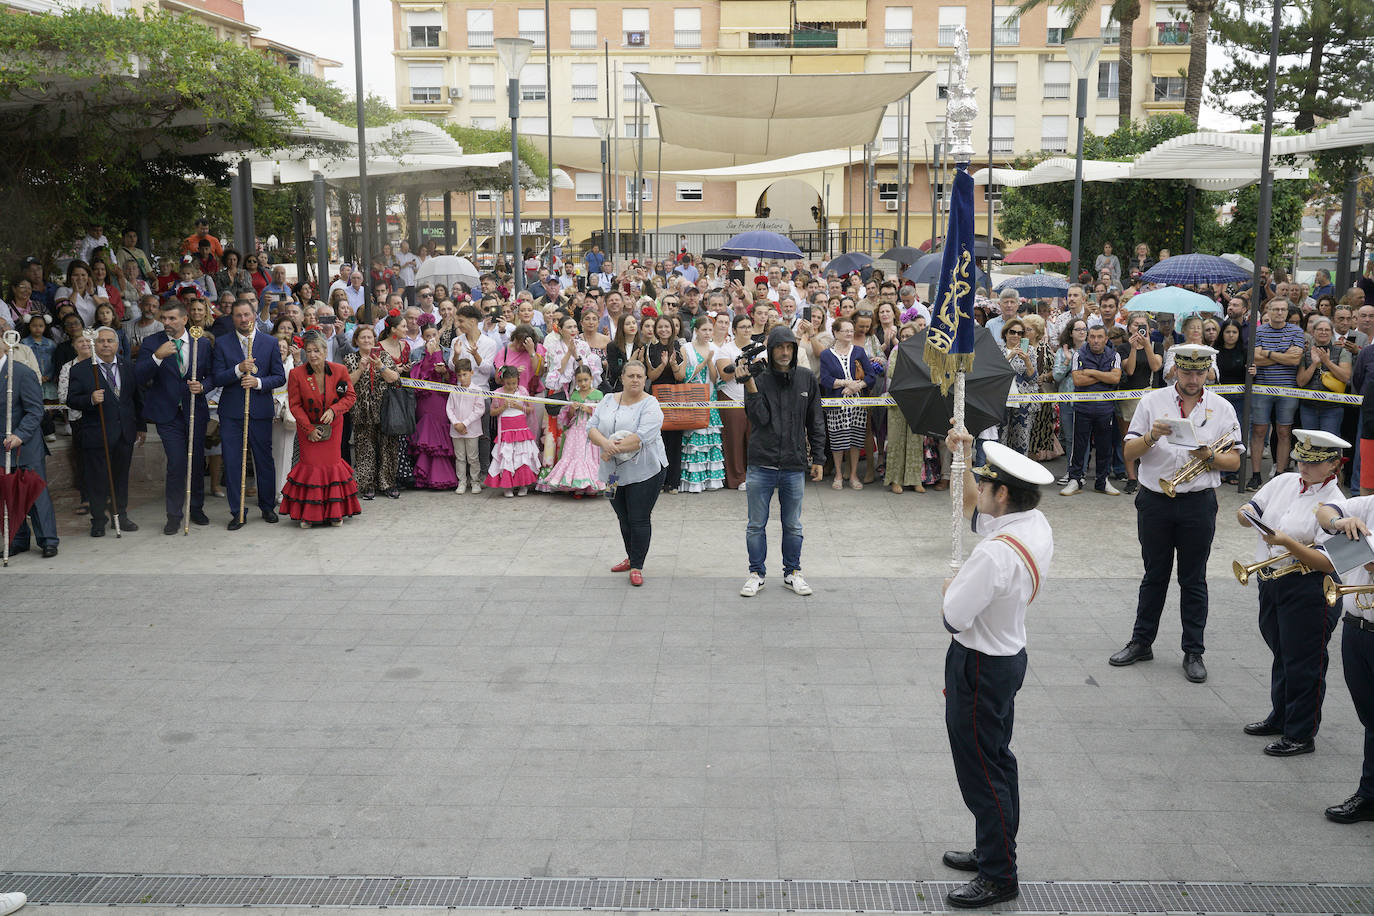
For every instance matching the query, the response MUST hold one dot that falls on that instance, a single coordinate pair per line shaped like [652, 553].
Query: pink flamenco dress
[320, 487]
[431, 445]
[514, 454]
[578, 466]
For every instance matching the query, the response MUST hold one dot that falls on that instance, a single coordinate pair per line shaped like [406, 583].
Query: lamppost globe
[513, 53]
[1083, 54]
[603, 127]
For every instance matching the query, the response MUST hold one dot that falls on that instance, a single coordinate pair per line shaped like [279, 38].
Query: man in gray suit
[25, 447]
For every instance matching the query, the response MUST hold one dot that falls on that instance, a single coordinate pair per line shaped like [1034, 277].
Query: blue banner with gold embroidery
[949, 343]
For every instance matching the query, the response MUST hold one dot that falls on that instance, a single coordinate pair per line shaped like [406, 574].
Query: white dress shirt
[1361, 507]
[485, 351]
[1212, 416]
[1284, 506]
[986, 602]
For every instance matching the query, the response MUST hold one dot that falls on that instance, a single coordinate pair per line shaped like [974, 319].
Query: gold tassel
[944, 366]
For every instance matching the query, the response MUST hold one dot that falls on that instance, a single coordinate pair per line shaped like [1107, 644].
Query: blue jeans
[761, 482]
[1314, 416]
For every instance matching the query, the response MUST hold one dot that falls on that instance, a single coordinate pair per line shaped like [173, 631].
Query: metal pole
[637, 218]
[992, 100]
[901, 169]
[605, 202]
[448, 222]
[1266, 204]
[362, 153]
[1078, 180]
[658, 201]
[615, 165]
[298, 227]
[513, 90]
[321, 237]
[548, 96]
[906, 170]
[1346, 246]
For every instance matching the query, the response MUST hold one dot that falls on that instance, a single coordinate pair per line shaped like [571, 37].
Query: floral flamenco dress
[703, 460]
[577, 468]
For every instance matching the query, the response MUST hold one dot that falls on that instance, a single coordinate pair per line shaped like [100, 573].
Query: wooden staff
[11, 341]
[91, 334]
[243, 466]
[196, 334]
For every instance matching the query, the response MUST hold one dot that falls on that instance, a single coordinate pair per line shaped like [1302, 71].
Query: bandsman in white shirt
[1354, 518]
[984, 608]
[1294, 619]
[1182, 524]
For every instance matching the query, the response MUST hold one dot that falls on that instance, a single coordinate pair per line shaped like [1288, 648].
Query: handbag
[398, 411]
[684, 419]
[1331, 383]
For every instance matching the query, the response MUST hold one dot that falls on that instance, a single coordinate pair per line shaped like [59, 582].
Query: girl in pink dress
[514, 455]
[578, 467]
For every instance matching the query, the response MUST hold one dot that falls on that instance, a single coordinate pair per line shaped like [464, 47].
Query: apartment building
[446, 67]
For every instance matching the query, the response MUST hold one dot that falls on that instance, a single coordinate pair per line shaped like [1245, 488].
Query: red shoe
[636, 577]
[622, 566]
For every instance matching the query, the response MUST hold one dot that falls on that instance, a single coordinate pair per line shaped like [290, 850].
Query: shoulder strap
[1024, 553]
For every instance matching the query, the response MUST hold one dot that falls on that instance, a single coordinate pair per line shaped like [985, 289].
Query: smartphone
[328, 319]
[737, 275]
[377, 352]
[806, 313]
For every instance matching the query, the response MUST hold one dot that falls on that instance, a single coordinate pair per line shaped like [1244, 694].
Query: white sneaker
[476, 488]
[751, 586]
[461, 489]
[1073, 487]
[1110, 490]
[11, 902]
[522, 491]
[741, 487]
[796, 583]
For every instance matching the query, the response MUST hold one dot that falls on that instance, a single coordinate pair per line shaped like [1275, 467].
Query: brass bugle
[1243, 572]
[1196, 466]
[1334, 592]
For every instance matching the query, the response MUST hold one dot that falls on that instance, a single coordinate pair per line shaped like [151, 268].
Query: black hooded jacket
[785, 414]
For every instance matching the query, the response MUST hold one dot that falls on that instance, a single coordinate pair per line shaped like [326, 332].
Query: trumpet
[1334, 592]
[1196, 466]
[1243, 573]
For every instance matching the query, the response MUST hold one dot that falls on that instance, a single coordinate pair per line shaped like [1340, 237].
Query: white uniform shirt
[986, 602]
[1212, 416]
[1281, 505]
[1361, 507]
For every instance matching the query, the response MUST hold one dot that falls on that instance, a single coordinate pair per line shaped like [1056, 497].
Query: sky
[325, 27]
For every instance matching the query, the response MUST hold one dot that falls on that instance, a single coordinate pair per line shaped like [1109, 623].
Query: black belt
[1359, 623]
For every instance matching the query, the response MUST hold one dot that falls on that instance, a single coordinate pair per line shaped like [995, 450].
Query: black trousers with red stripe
[1296, 624]
[980, 706]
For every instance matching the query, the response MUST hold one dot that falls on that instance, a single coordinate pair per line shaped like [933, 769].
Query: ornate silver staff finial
[962, 110]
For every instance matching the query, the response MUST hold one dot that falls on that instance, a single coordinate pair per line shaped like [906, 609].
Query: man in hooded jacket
[786, 437]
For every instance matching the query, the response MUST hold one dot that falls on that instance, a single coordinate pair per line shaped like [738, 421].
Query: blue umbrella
[927, 270]
[1050, 286]
[760, 244]
[846, 264]
[1195, 268]
[1175, 300]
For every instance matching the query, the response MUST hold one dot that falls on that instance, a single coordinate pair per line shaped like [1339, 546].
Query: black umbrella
[928, 412]
[903, 254]
[927, 270]
[846, 264]
[715, 254]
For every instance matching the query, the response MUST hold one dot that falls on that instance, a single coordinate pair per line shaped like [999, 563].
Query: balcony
[535, 36]
[584, 93]
[1007, 35]
[801, 38]
[897, 38]
[945, 36]
[1054, 144]
[482, 93]
[1111, 34]
[1055, 36]
[1004, 93]
[687, 38]
[1056, 90]
[582, 40]
[480, 39]
[1173, 33]
[639, 38]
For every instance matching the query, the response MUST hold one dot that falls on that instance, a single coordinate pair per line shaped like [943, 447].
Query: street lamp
[936, 129]
[514, 52]
[1083, 57]
[604, 126]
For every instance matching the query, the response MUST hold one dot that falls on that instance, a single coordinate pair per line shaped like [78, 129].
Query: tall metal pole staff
[364, 258]
[196, 334]
[548, 96]
[992, 100]
[11, 341]
[90, 334]
[1082, 55]
[1266, 204]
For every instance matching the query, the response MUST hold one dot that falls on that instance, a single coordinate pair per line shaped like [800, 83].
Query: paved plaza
[457, 686]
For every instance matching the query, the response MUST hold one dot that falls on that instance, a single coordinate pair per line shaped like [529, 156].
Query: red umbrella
[19, 490]
[1039, 253]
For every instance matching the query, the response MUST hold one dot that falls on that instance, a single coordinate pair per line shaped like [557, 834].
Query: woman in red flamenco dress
[320, 487]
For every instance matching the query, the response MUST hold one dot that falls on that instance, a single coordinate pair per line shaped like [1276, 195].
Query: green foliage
[1239, 233]
[334, 103]
[476, 140]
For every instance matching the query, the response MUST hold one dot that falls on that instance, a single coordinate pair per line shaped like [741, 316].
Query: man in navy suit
[248, 360]
[164, 372]
[26, 450]
[105, 383]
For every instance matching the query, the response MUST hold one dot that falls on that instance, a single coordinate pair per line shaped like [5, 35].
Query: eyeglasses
[1011, 331]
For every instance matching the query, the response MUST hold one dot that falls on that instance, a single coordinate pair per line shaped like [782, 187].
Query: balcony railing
[535, 36]
[632, 92]
[480, 39]
[897, 38]
[1003, 144]
[945, 36]
[426, 95]
[1111, 34]
[1055, 35]
[801, 38]
[687, 38]
[584, 93]
[529, 93]
[582, 39]
[1056, 90]
[1173, 33]
[1004, 93]
[482, 93]
[1054, 144]
[1007, 35]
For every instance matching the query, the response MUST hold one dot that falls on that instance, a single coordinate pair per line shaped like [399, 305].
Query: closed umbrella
[846, 264]
[760, 244]
[1039, 253]
[448, 269]
[1195, 268]
[927, 270]
[927, 411]
[1175, 300]
[1050, 286]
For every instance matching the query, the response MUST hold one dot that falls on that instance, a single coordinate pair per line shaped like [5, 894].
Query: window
[897, 27]
[482, 82]
[533, 86]
[583, 127]
[942, 83]
[481, 28]
[646, 189]
[426, 83]
[634, 127]
[425, 28]
[1106, 125]
[1054, 133]
[587, 185]
[687, 28]
[536, 194]
[1111, 29]
[531, 23]
[534, 127]
[584, 83]
[951, 17]
[689, 66]
[484, 123]
[1007, 30]
[887, 190]
[1058, 79]
[489, 195]
[1107, 81]
[689, 190]
[891, 130]
[1004, 80]
[1170, 88]
[634, 26]
[582, 29]
[1003, 133]
[631, 85]
[1056, 25]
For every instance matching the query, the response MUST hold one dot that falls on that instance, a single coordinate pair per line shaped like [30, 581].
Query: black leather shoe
[1262, 729]
[269, 516]
[235, 524]
[50, 551]
[172, 526]
[1287, 747]
[1354, 809]
[97, 531]
[1193, 668]
[1134, 652]
[982, 892]
[961, 861]
[199, 518]
[127, 524]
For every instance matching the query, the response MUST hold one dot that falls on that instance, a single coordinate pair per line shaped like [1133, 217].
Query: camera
[749, 356]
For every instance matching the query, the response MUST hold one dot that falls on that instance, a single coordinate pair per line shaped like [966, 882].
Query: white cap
[1008, 466]
[1313, 445]
[1197, 357]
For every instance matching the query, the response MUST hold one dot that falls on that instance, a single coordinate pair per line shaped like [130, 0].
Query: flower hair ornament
[394, 313]
[296, 339]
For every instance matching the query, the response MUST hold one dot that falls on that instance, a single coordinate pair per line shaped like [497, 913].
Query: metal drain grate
[1088, 897]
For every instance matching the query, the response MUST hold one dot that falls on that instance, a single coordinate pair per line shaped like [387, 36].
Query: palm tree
[1125, 12]
[1197, 54]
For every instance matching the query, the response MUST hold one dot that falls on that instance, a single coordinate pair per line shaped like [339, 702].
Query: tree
[1197, 54]
[1125, 12]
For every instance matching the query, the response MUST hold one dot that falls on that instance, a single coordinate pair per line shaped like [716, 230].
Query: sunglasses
[1013, 331]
